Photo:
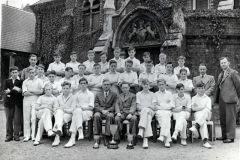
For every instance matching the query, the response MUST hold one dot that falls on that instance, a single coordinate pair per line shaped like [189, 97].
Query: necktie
[106, 94]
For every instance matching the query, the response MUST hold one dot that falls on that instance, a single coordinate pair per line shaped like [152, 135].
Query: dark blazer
[102, 103]
[209, 82]
[228, 86]
[126, 104]
[13, 96]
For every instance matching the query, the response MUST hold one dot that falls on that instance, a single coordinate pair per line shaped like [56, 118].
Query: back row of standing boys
[111, 90]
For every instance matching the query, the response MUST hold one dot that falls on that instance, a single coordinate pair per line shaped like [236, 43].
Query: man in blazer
[227, 95]
[104, 109]
[207, 80]
[125, 109]
[13, 105]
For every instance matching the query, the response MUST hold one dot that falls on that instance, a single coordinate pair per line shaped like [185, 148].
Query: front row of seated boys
[138, 109]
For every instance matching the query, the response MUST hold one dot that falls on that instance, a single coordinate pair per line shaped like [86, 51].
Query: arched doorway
[142, 29]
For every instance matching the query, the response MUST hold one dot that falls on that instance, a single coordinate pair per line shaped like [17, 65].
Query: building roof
[42, 1]
[18, 29]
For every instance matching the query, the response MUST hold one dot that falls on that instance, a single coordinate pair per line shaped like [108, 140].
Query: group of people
[118, 90]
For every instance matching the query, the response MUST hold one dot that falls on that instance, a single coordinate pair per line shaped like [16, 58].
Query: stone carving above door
[141, 31]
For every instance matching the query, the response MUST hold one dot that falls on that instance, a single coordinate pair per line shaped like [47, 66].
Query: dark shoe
[220, 138]
[16, 139]
[228, 141]
[8, 139]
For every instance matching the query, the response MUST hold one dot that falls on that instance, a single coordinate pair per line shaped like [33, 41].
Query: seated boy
[129, 77]
[181, 113]
[145, 107]
[73, 63]
[90, 62]
[201, 105]
[63, 112]
[44, 111]
[163, 103]
[84, 104]
[125, 109]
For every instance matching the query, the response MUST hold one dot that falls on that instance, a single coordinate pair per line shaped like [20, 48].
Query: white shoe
[145, 143]
[80, 134]
[36, 143]
[183, 142]
[50, 133]
[161, 139]
[140, 132]
[33, 139]
[26, 139]
[174, 136]
[70, 143]
[56, 141]
[193, 129]
[167, 145]
[207, 145]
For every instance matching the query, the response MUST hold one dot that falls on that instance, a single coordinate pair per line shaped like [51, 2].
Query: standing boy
[32, 88]
[13, 105]
[73, 63]
[90, 62]
[136, 62]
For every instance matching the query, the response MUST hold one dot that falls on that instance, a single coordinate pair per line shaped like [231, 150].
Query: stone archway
[143, 29]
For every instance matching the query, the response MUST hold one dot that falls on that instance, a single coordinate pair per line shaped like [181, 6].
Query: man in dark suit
[126, 110]
[227, 95]
[13, 104]
[104, 108]
[208, 80]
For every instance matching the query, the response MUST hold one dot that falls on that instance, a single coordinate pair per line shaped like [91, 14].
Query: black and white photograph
[120, 79]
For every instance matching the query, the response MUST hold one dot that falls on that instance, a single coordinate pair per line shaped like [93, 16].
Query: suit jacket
[126, 104]
[102, 103]
[228, 86]
[209, 82]
[13, 96]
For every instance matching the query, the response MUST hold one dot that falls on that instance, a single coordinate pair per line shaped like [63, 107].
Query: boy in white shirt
[188, 84]
[51, 79]
[144, 100]
[129, 77]
[104, 64]
[149, 74]
[44, 111]
[181, 113]
[73, 63]
[63, 112]
[95, 80]
[57, 66]
[181, 62]
[40, 73]
[81, 71]
[113, 76]
[202, 106]
[32, 88]
[119, 60]
[90, 62]
[163, 103]
[146, 58]
[160, 68]
[68, 78]
[84, 103]
[136, 62]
